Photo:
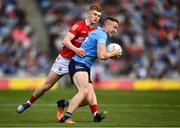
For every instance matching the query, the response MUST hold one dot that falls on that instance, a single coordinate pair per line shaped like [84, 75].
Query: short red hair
[95, 7]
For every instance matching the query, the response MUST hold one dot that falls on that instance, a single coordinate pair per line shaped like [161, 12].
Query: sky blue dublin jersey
[95, 37]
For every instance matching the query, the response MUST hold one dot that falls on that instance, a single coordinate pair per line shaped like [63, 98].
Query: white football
[112, 46]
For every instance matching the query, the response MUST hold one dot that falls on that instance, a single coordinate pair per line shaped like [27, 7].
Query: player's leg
[59, 68]
[81, 82]
[93, 104]
[51, 79]
[90, 100]
[62, 103]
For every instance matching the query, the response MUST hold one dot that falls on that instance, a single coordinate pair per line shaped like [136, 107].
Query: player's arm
[67, 42]
[103, 54]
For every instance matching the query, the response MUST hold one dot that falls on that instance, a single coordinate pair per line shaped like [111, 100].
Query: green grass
[125, 109]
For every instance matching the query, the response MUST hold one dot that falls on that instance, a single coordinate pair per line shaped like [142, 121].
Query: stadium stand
[19, 55]
[148, 33]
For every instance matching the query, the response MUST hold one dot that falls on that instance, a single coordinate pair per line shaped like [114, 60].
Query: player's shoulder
[80, 22]
[99, 30]
[77, 25]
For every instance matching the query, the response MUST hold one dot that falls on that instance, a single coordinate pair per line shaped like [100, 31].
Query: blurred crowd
[149, 34]
[19, 55]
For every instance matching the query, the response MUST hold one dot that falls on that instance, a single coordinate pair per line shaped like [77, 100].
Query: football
[112, 46]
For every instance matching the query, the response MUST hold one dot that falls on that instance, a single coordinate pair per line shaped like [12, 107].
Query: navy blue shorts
[76, 67]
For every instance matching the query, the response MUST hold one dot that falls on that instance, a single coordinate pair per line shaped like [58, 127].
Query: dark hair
[95, 7]
[112, 19]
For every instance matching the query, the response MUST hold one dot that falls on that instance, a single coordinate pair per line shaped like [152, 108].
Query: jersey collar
[86, 21]
[88, 24]
[101, 28]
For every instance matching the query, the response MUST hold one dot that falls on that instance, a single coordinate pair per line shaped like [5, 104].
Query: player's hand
[117, 52]
[80, 52]
[118, 56]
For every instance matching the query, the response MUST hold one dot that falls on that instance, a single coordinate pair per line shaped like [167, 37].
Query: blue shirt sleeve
[101, 38]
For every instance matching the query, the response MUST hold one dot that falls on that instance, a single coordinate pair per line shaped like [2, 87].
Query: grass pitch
[125, 109]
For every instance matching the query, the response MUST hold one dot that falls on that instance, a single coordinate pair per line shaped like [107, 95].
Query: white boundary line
[104, 105]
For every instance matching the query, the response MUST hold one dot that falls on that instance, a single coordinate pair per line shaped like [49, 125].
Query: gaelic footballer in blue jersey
[79, 67]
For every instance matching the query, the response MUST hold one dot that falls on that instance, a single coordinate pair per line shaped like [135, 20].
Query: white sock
[94, 114]
[29, 102]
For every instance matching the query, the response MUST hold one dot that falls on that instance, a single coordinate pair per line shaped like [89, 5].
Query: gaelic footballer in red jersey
[80, 31]
[72, 41]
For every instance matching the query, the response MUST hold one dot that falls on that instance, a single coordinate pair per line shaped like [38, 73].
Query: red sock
[94, 108]
[32, 99]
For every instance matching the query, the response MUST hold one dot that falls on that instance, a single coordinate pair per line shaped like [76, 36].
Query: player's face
[94, 16]
[112, 28]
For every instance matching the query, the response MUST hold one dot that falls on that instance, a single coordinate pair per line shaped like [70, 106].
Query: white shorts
[60, 65]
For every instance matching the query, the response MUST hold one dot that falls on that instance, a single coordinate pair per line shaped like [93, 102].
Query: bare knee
[45, 87]
[90, 96]
[50, 81]
[84, 91]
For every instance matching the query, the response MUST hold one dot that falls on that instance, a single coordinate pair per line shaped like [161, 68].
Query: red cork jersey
[80, 29]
